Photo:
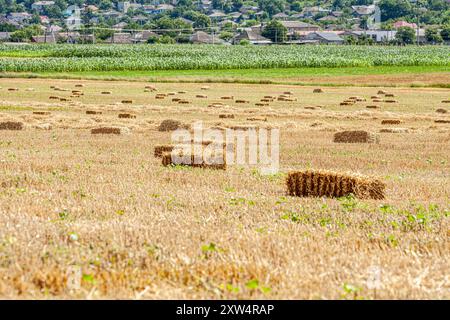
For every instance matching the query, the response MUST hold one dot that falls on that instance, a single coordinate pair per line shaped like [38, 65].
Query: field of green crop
[76, 58]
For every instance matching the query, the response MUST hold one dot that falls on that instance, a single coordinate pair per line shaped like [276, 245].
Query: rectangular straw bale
[11, 125]
[333, 185]
[356, 136]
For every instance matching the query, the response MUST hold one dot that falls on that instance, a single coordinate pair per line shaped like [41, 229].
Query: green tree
[445, 33]
[405, 35]
[275, 31]
[433, 36]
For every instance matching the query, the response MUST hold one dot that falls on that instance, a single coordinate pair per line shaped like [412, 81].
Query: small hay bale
[201, 96]
[394, 130]
[161, 149]
[259, 104]
[227, 97]
[106, 92]
[53, 98]
[266, 100]
[318, 90]
[390, 101]
[41, 113]
[381, 92]
[288, 93]
[309, 108]
[127, 101]
[372, 107]
[127, 116]
[445, 101]
[375, 97]
[176, 99]
[377, 100]
[441, 121]
[167, 161]
[389, 95]
[205, 88]
[171, 93]
[356, 136]
[183, 102]
[79, 85]
[11, 125]
[182, 92]
[440, 110]
[242, 101]
[93, 112]
[391, 121]
[216, 105]
[13, 89]
[107, 130]
[226, 116]
[169, 125]
[333, 185]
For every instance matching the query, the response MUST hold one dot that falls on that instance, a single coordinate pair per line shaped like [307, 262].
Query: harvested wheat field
[96, 193]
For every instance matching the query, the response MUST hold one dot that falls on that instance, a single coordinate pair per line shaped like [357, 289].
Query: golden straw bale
[333, 185]
[442, 121]
[441, 110]
[169, 125]
[108, 130]
[391, 121]
[11, 125]
[357, 136]
[318, 90]
[127, 116]
[168, 160]
[127, 101]
[93, 112]
[226, 116]
[41, 113]
[161, 149]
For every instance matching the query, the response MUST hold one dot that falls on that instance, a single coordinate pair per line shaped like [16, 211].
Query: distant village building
[400, 24]
[201, 37]
[325, 37]
[295, 27]
[253, 36]
[41, 5]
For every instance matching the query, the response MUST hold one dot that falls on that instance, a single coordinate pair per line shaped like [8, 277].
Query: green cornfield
[73, 58]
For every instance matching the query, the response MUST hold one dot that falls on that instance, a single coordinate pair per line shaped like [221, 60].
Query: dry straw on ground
[357, 136]
[11, 125]
[333, 185]
[394, 130]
